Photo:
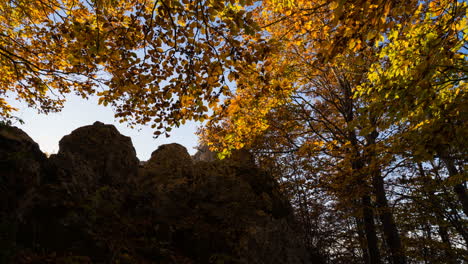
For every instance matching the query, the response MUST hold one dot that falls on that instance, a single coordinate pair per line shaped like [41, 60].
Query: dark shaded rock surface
[204, 154]
[21, 166]
[168, 163]
[96, 155]
[94, 203]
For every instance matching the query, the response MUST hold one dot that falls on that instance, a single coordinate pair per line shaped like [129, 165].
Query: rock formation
[93, 202]
[21, 167]
[204, 154]
[93, 156]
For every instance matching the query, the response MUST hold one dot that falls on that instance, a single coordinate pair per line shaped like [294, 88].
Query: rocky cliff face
[93, 202]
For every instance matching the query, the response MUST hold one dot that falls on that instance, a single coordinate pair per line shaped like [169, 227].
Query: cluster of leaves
[158, 62]
[362, 102]
[365, 116]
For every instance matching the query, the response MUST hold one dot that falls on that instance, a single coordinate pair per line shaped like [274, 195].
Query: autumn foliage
[360, 109]
[358, 106]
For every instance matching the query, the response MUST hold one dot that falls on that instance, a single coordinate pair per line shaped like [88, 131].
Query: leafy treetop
[158, 62]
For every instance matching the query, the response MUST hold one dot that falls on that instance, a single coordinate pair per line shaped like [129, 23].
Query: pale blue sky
[47, 130]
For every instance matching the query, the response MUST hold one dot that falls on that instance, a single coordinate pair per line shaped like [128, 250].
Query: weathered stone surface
[22, 170]
[249, 223]
[173, 210]
[204, 154]
[93, 156]
[168, 162]
[170, 158]
[21, 166]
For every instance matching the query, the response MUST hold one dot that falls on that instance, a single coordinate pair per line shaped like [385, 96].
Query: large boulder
[242, 217]
[21, 166]
[217, 211]
[22, 170]
[61, 214]
[93, 156]
[170, 159]
[94, 203]
[167, 162]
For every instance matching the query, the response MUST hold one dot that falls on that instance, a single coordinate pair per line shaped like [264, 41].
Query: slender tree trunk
[459, 189]
[358, 165]
[367, 214]
[441, 211]
[442, 230]
[369, 227]
[391, 235]
[362, 239]
[428, 236]
[444, 236]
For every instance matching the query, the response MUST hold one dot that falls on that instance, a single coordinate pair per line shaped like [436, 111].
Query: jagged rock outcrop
[204, 154]
[21, 166]
[21, 173]
[169, 155]
[93, 156]
[167, 163]
[94, 202]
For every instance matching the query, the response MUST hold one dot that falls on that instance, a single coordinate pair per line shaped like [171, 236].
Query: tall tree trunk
[444, 236]
[426, 251]
[362, 239]
[459, 188]
[442, 229]
[451, 211]
[358, 165]
[391, 235]
[366, 213]
[369, 227]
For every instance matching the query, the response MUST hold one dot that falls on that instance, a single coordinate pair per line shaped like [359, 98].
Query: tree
[421, 80]
[159, 62]
[355, 94]
[350, 71]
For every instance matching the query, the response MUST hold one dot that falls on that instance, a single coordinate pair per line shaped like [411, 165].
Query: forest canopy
[358, 106]
[158, 62]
